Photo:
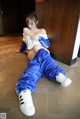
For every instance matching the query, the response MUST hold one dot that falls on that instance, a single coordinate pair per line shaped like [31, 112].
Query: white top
[30, 43]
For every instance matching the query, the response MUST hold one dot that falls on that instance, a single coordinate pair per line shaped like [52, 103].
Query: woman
[40, 64]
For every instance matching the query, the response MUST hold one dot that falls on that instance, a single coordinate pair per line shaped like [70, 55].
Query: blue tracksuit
[44, 42]
[41, 65]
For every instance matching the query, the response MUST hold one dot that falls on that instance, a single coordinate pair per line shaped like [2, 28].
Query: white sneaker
[63, 80]
[26, 103]
[66, 82]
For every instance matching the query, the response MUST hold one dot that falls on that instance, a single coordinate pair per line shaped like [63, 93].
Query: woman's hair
[31, 16]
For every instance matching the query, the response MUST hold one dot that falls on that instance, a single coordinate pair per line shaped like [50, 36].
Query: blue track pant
[41, 65]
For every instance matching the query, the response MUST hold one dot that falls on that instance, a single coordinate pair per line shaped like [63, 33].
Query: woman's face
[31, 24]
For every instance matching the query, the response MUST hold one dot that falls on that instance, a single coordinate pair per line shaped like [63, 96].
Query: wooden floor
[51, 100]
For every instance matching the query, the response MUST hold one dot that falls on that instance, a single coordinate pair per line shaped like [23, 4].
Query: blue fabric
[44, 42]
[23, 47]
[41, 65]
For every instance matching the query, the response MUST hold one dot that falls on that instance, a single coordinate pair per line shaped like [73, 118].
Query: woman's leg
[53, 71]
[28, 80]
[27, 84]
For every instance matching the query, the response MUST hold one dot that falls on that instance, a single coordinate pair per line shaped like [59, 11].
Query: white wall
[77, 42]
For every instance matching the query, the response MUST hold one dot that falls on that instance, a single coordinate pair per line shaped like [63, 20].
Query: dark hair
[31, 16]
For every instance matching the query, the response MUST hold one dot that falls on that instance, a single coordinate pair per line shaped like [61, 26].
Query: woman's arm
[34, 35]
[28, 32]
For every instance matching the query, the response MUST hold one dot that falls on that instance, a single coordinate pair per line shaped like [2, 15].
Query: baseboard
[63, 60]
[13, 34]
